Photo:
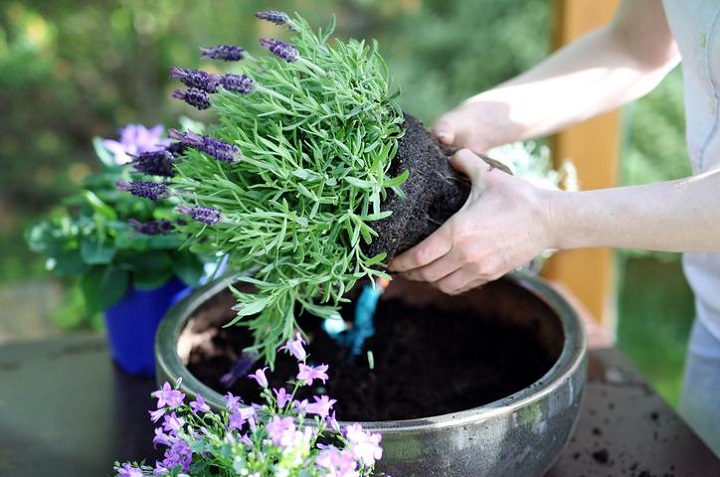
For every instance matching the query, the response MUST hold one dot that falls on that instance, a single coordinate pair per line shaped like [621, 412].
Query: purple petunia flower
[364, 445]
[155, 163]
[127, 470]
[196, 98]
[282, 397]
[310, 373]
[260, 377]
[242, 84]
[135, 139]
[273, 16]
[149, 190]
[199, 405]
[152, 227]
[201, 80]
[281, 430]
[224, 52]
[280, 49]
[168, 397]
[206, 215]
[219, 150]
[321, 406]
[295, 347]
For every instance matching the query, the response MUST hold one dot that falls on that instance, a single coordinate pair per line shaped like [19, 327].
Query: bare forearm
[677, 216]
[601, 71]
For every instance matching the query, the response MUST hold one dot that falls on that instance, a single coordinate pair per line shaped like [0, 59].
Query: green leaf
[187, 267]
[105, 156]
[96, 252]
[67, 264]
[99, 206]
[151, 279]
[103, 286]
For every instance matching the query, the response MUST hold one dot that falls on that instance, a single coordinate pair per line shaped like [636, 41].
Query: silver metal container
[520, 435]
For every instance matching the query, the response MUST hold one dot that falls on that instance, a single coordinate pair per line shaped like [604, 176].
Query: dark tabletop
[65, 410]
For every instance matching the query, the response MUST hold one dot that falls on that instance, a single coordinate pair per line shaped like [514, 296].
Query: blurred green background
[74, 69]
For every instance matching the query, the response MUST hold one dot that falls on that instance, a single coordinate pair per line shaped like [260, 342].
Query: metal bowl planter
[516, 436]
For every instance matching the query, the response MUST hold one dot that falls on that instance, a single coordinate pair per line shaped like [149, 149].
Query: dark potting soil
[426, 362]
[434, 191]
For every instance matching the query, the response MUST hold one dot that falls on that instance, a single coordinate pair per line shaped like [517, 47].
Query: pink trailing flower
[134, 140]
[308, 374]
[295, 347]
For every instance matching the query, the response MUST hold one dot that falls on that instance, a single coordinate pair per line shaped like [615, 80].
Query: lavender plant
[290, 178]
[110, 240]
[283, 436]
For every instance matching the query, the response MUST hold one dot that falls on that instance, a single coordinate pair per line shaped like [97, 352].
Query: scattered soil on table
[426, 362]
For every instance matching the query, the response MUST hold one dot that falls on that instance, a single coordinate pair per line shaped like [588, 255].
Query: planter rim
[572, 357]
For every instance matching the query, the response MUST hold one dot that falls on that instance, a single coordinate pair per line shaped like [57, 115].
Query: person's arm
[597, 73]
[506, 222]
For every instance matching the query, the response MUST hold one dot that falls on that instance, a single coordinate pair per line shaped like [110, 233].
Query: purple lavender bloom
[152, 227]
[149, 190]
[196, 98]
[242, 84]
[206, 215]
[220, 150]
[224, 52]
[201, 80]
[135, 139]
[155, 163]
[273, 16]
[280, 49]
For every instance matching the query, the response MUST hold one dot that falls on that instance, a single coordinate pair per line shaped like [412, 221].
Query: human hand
[504, 224]
[477, 125]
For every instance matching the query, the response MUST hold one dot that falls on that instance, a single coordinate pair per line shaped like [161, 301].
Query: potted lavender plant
[124, 251]
[309, 180]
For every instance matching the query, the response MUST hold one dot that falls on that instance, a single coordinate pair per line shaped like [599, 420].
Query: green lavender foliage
[317, 137]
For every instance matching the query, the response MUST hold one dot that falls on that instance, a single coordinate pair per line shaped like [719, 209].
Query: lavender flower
[273, 16]
[152, 227]
[280, 49]
[308, 374]
[202, 80]
[194, 97]
[218, 149]
[149, 190]
[242, 84]
[295, 347]
[167, 396]
[224, 52]
[206, 215]
[155, 163]
[135, 139]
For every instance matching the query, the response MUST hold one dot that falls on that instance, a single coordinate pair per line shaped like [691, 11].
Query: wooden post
[593, 147]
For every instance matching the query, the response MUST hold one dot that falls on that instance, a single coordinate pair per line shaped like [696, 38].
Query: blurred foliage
[74, 69]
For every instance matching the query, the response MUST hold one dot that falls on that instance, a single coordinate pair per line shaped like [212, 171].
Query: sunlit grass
[655, 316]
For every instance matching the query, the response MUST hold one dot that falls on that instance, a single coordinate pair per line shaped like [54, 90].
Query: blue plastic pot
[132, 322]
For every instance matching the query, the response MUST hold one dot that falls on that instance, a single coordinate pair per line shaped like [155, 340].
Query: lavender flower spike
[201, 80]
[194, 97]
[224, 52]
[155, 163]
[242, 84]
[274, 16]
[206, 215]
[280, 49]
[149, 190]
[218, 149]
[152, 227]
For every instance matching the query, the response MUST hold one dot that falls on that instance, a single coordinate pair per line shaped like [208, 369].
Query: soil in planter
[426, 362]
